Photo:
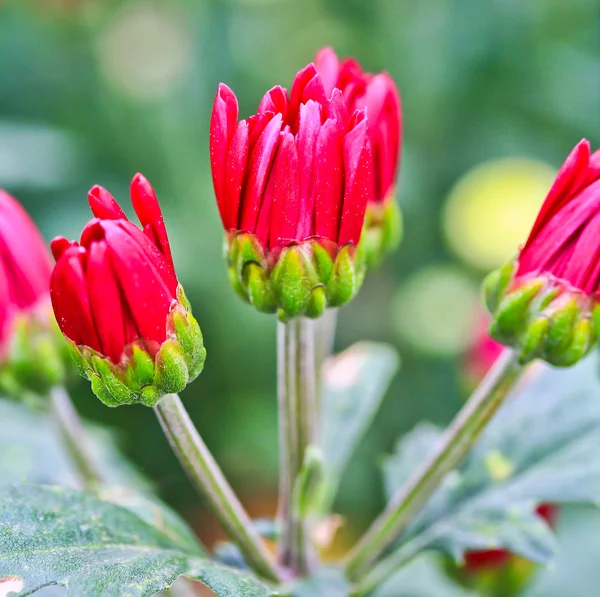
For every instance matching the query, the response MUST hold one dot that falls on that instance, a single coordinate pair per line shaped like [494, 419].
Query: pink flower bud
[25, 264]
[116, 297]
[292, 184]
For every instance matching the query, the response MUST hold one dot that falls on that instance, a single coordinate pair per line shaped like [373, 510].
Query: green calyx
[144, 377]
[305, 278]
[382, 230]
[36, 356]
[541, 317]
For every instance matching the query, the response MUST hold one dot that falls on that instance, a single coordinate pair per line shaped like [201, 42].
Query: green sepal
[531, 341]
[581, 343]
[345, 279]
[171, 372]
[323, 263]
[246, 249]
[140, 369]
[382, 231]
[101, 391]
[496, 283]
[109, 375]
[317, 302]
[512, 313]
[259, 291]
[560, 333]
[290, 282]
[189, 335]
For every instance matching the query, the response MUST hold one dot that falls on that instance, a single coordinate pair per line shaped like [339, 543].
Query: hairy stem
[75, 438]
[210, 482]
[454, 445]
[298, 418]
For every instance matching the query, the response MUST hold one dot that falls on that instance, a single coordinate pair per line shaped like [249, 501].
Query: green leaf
[354, 384]
[30, 450]
[542, 447]
[423, 577]
[57, 536]
[328, 582]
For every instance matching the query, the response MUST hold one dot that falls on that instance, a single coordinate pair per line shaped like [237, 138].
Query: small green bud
[382, 230]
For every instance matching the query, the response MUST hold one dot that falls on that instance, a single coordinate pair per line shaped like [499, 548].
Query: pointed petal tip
[58, 246]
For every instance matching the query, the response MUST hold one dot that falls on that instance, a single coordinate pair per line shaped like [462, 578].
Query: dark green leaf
[543, 446]
[354, 384]
[51, 535]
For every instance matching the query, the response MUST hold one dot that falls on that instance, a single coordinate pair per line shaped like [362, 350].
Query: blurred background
[495, 94]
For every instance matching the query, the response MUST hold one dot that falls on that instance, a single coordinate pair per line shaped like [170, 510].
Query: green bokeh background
[92, 92]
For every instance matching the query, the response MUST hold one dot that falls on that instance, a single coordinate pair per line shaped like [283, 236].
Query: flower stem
[209, 480]
[74, 438]
[454, 445]
[297, 427]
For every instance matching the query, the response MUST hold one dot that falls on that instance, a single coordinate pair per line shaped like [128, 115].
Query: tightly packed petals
[545, 301]
[300, 167]
[295, 177]
[116, 286]
[379, 97]
[565, 239]
[117, 299]
[25, 263]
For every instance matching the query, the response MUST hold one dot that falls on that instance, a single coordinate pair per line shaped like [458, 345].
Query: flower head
[291, 181]
[545, 301]
[31, 352]
[378, 95]
[117, 299]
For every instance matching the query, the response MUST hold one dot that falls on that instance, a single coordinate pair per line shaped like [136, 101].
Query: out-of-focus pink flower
[25, 264]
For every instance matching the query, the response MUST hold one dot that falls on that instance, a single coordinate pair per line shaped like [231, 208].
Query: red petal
[222, 127]
[286, 201]
[137, 269]
[553, 237]
[258, 171]
[70, 299]
[328, 66]
[147, 208]
[275, 100]
[235, 169]
[308, 129]
[329, 181]
[358, 171]
[105, 302]
[307, 86]
[103, 204]
[382, 103]
[569, 177]
[337, 109]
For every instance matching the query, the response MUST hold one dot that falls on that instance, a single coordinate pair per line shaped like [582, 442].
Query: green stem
[297, 427]
[208, 479]
[454, 445]
[74, 438]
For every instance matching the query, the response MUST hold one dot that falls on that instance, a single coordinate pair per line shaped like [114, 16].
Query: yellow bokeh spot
[433, 310]
[491, 209]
